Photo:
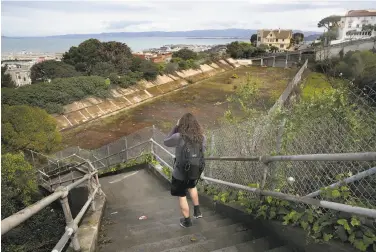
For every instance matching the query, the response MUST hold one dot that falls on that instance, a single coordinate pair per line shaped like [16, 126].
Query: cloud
[43, 18]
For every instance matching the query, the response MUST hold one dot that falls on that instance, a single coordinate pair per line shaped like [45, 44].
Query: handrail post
[69, 219]
[265, 172]
[90, 190]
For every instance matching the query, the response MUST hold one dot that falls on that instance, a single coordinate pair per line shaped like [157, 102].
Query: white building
[20, 74]
[351, 26]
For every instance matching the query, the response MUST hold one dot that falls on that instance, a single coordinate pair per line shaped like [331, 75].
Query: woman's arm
[173, 138]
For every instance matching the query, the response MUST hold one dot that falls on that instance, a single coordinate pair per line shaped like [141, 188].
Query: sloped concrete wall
[91, 108]
[333, 51]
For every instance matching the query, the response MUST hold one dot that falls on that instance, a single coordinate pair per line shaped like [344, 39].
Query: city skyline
[51, 18]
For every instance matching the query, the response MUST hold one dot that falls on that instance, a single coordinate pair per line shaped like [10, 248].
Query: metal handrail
[320, 203]
[365, 156]
[62, 193]
[362, 156]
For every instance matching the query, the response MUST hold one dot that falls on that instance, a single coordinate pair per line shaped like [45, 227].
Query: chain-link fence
[341, 119]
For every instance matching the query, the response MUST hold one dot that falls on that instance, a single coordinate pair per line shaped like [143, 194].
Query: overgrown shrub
[18, 190]
[52, 96]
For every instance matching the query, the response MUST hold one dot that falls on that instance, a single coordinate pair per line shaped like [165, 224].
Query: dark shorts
[180, 187]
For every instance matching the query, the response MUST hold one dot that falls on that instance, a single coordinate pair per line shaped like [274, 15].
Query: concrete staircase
[132, 195]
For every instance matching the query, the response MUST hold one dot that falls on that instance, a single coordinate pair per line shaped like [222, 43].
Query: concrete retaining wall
[333, 51]
[92, 108]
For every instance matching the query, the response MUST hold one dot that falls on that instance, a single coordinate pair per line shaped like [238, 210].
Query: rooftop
[361, 13]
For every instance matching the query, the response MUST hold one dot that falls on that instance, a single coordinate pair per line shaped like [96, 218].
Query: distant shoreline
[216, 38]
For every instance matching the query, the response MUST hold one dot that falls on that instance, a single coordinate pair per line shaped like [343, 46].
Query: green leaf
[359, 244]
[304, 225]
[316, 227]
[327, 237]
[352, 238]
[269, 199]
[355, 222]
[345, 224]
[272, 215]
[336, 194]
[368, 240]
[341, 232]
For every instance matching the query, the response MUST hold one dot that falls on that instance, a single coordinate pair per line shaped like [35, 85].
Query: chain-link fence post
[274, 166]
[32, 157]
[152, 138]
[125, 153]
[107, 158]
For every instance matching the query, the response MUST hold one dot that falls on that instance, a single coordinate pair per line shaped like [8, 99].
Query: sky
[45, 18]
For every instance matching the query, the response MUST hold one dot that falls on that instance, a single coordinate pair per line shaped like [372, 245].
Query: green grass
[315, 84]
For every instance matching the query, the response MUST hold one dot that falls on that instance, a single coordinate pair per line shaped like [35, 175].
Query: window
[270, 44]
[259, 39]
[25, 79]
[350, 24]
[270, 35]
[357, 26]
[282, 45]
[276, 40]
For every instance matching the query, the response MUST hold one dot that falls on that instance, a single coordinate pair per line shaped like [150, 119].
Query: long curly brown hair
[190, 129]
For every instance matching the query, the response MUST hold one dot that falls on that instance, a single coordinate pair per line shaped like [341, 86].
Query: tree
[274, 49]
[185, 54]
[103, 69]
[25, 127]
[51, 69]
[328, 36]
[18, 183]
[329, 22]
[297, 38]
[92, 51]
[253, 39]
[6, 79]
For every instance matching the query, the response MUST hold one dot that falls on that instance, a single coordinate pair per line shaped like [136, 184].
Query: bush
[51, 69]
[114, 78]
[185, 54]
[18, 190]
[171, 68]
[51, 96]
[130, 79]
[25, 127]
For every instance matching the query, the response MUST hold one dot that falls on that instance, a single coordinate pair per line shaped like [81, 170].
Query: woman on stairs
[188, 139]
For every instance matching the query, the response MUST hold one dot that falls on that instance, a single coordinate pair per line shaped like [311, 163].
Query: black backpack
[190, 160]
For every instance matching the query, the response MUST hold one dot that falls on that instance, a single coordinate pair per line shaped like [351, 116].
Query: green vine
[321, 225]
[143, 159]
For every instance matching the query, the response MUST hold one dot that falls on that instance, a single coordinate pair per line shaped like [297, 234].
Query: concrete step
[222, 240]
[131, 217]
[155, 234]
[139, 225]
[192, 237]
[280, 249]
[256, 245]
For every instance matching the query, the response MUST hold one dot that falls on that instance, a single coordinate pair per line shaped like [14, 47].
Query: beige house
[278, 38]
